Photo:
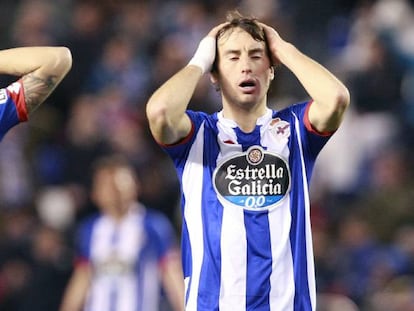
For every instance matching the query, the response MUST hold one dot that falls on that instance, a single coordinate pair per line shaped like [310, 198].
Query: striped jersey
[246, 235]
[12, 107]
[126, 258]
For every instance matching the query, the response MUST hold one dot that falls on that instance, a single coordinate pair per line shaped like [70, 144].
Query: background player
[124, 251]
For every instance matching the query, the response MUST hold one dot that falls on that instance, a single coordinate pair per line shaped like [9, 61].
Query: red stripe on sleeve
[181, 141]
[308, 124]
[16, 92]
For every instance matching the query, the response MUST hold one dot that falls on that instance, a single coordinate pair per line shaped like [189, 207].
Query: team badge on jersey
[280, 128]
[255, 179]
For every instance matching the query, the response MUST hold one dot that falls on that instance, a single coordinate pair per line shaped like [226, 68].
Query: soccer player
[40, 70]
[245, 170]
[126, 252]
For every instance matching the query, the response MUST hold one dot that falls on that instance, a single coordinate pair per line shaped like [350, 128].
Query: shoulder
[200, 116]
[297, 109]
[87, 223]
[158, 223]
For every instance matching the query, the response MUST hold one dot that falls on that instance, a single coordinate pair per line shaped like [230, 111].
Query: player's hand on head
[215, 30]
[206, 52]
[274, 42]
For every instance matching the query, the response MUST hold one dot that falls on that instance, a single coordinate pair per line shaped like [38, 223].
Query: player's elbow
[343, 99]
[157, 118]
[58, 62]
[64, 57]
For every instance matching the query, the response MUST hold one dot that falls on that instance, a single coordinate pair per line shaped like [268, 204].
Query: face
[244, 71]
[114, 189]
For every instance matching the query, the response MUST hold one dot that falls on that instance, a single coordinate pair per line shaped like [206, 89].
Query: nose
[245, 65]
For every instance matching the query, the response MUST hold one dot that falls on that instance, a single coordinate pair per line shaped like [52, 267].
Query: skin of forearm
[328, 93]
[41, 69]
[21, 61]
[166, 107]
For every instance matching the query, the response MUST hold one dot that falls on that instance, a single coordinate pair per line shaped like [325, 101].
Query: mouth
[248, 86]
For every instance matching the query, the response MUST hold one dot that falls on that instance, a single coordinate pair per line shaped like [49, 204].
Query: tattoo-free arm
[330, 96]
[41, 70]
[166, 108]
[77, 289]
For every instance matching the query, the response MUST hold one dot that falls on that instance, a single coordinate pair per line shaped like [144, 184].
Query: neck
[245, 117]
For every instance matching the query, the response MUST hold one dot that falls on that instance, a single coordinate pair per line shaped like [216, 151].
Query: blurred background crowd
[363, 185]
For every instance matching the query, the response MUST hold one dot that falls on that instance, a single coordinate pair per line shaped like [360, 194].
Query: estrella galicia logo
[254, 180]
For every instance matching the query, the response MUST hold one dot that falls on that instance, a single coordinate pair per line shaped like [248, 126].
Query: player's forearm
[41, 70]
[323, 87]
[330, 95]
[77, 289]
[166, 107]
[24, 60]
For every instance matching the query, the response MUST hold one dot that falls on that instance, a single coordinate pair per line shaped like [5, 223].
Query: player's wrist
[205, 54]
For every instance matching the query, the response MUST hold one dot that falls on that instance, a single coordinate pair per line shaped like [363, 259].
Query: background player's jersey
[12, 107]
[126, 258]
[246, 222]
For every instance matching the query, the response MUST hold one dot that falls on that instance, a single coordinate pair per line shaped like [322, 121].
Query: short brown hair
[249, 24]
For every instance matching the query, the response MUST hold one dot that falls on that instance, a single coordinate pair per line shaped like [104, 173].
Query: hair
[247, 23]
[110, 162]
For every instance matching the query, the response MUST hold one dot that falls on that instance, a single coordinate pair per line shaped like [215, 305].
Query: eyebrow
[250, 52]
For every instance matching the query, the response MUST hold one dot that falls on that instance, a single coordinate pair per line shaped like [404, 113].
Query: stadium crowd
[362, 203]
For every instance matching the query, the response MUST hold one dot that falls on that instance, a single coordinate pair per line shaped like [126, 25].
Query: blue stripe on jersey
[259, 258]
[248, 139]
[259, 254]
[84, 236]
[212, 215]
[113, 297]
[186, 261]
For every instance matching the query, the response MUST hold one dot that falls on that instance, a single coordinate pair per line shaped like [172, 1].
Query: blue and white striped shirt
[246, 236]
[125, 257]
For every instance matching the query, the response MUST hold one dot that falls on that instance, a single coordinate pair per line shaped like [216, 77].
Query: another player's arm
[40, 68]
[330, 96]
[77, 288]
[172, 280]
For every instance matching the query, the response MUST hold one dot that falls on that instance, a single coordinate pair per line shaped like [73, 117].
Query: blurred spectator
[51, 267]
[120, 67]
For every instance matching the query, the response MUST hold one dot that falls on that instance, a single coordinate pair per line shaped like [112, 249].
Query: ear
[272, 73]
[214, 81]
[213, 78]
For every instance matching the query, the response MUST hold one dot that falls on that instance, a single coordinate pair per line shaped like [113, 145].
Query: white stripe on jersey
[282, 266]
[233, 259]
[113, 246]
[193, 175]
[151, 288]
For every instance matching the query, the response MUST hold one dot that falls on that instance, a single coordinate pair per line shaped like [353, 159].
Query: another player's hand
[206, 51]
